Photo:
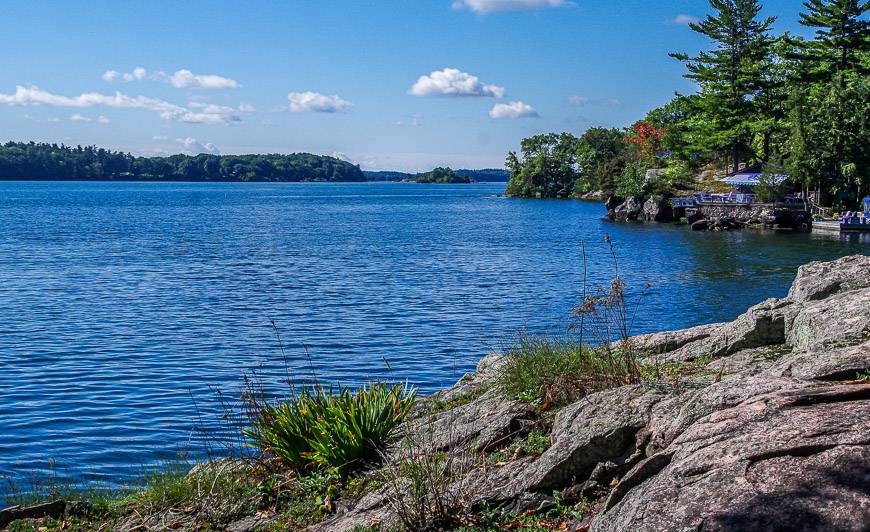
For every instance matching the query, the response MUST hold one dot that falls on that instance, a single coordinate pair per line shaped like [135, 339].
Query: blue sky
[341, 77]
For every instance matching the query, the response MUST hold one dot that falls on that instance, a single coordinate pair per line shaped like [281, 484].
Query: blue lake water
[123, 304]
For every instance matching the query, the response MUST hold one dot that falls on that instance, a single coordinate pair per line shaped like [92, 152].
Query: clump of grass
[599, 355]
[215, 492]
[331, 428]
[426, 488]
[556, 371]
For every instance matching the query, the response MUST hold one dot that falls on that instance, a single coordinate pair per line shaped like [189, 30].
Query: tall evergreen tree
[731, 75]
[827, 141]
[842, 38]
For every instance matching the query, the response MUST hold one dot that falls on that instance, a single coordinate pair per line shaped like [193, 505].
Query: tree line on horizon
[799, 106]
[41, 161]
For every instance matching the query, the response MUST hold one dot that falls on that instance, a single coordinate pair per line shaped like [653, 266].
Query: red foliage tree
[647, 137]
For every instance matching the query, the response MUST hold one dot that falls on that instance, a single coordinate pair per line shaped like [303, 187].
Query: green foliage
[336, 429]
[770, 188]
[731, 74]
[441, 175]
[632, 180]
[548, 166]
[58, 162]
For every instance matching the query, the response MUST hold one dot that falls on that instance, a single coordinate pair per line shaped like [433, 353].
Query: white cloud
[138, 74]
[492, 6]
[582, 101]
[182, 79]
[103, 119]
[79, 118]
[454, 82]
[161, 138]
[513, 110]
[685, 20]
[195, 147]
[167, 111]
[314, 102]
[185, 79]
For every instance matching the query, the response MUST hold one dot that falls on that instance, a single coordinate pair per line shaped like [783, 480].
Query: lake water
[123, 304]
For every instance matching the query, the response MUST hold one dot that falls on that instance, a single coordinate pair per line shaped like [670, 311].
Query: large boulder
[666, 341]
[841, 319]
[657, 209]
[818, 280]
[487, 421]
[823, 363]
[673, 417]
[630, 209]
[603, 427]
[763, 324]
[788, 460]
[611, 203]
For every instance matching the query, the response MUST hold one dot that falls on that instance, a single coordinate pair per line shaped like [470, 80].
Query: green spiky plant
[333, 428]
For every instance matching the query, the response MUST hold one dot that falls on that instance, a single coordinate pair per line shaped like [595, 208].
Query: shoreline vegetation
[593, 430]
[771, 104]
[31, 161]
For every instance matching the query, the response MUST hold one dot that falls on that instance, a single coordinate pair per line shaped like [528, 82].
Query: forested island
[441, 175]
[485, 175]
[39, 161]
[776, 103]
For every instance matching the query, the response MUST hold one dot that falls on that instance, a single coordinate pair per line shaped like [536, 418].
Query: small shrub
[632, 180]
[425, 488]
[332, 428]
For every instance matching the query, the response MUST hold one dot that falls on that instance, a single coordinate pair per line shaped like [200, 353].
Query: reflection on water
[121, 303]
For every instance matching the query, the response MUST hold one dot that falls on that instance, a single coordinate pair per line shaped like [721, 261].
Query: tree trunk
[735, 158]
[766, 157]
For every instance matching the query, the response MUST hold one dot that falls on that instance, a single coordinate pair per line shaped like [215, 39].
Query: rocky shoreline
[755, 424]
[770, 432]
[658, 208]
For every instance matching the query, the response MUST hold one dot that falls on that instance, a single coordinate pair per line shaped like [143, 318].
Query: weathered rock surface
[657, 209]
[818, 280]
[792, 460]
[663, 342]
[841, 319]
[763, 324]
[825, 364]
[630, 209]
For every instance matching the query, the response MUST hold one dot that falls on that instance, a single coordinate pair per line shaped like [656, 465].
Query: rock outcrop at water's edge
[770, 434]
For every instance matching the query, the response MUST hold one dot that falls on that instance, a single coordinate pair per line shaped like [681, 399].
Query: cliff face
[770, 434]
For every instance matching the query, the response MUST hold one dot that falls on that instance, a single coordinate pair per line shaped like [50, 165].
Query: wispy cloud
[513, 110]
[314, 102]
[491, 6]
[168, 111]
[454, 82]
[583, 101]
[181, 79]
[195, 147]
[684, 20]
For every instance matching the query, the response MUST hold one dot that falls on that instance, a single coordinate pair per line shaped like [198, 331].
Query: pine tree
[731, 75]
[829, 142]
[842, 38]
